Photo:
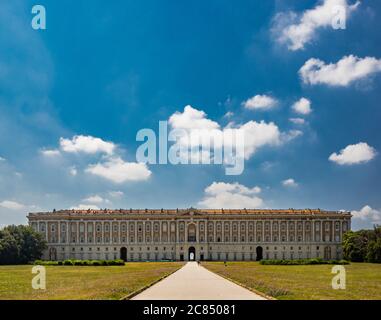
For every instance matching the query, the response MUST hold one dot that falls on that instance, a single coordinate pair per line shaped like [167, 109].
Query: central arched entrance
[192, 254]
[259, 251]
[123, 254]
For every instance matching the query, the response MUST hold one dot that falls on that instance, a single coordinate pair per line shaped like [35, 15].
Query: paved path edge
[264, 295]
[140, 290]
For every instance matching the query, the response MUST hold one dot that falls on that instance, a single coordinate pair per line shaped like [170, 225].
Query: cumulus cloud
[260, 102]
[231, 196]
[366, 217]
[192, 118]
[73, 171]
[289, 183]
[257, 134]
[354, 154]
[119, 171]
[297, 30]
[85, 207]
[346, 71]
[87, 144]
[116, 194]
[302, 106]
[12, 205]
[297, 120]
[50, 153]
[95, 199]
[2, 159]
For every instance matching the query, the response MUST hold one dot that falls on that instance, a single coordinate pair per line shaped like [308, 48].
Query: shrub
[117, 262]
[302, 262]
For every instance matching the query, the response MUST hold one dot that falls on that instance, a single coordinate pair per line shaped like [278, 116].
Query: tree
[363, 245]
[374, 251]
[20, 244]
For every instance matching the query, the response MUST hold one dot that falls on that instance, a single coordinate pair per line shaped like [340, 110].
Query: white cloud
[261, 102]
[257, 134]
[229, 114]
[87, 144]
[296, 31]
[289, 183]
[73, 171]
[13, 205]
[297, 120]
[346, 71]
[94, 199]
[372, 216]
[116, 194]
[354, 154]
[230, 196]
[302, 106]
[118, 171]
[192, 118]
[50, 153]
[85, 207]
[2, 159]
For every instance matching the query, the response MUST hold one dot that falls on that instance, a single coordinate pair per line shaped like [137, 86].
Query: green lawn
[303, 282]
[71, 282]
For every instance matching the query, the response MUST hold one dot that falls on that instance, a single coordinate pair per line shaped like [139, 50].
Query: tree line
[363, 245]
[20, 245]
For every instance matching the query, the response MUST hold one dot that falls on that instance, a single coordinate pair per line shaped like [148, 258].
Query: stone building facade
[192, 234]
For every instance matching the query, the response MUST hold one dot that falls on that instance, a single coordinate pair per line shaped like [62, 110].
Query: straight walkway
[194, 282]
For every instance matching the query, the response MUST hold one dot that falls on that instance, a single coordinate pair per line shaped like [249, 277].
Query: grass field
[70, 282]
[363, 280]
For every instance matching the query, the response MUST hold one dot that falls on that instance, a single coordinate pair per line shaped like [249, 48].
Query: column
[214, 231]
[247, 231]
[77, 226]
[136, 231]
[59, 232]
[287, 225]
[85, 231]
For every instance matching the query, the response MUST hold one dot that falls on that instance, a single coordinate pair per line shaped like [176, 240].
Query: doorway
[259, 251]
[123, 254]
[192, 254]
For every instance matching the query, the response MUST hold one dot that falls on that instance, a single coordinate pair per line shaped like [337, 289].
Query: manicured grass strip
[303, 282]
[78, 282]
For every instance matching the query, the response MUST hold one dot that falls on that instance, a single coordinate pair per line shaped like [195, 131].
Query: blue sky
[110, 68]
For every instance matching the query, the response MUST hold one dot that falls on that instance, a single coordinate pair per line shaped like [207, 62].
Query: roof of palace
[91, 212]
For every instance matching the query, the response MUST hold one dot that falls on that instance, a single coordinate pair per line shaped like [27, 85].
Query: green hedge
[302, 262]
[117, 262]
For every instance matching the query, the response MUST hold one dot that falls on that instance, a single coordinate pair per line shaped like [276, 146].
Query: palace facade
[192, 234]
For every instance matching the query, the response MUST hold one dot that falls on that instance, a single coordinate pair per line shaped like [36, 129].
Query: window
[98, 227]
[106, 227]
[123, 227]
